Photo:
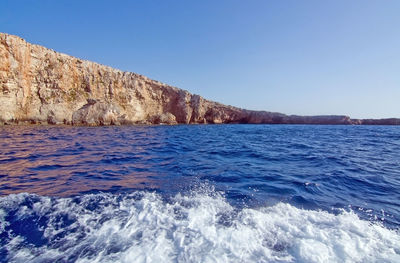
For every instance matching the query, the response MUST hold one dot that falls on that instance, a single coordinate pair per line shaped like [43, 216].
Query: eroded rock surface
[39, 85]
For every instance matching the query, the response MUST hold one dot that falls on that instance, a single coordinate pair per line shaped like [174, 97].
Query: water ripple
[316, 167]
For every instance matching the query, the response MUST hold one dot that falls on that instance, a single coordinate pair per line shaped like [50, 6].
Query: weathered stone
[165, 118]
[39, 85]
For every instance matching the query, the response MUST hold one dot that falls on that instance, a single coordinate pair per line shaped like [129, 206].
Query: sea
[200, 193]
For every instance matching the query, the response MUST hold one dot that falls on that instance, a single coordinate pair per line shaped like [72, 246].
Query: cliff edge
[39, 85]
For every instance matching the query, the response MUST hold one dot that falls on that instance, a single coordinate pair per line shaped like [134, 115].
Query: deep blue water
[200, 193]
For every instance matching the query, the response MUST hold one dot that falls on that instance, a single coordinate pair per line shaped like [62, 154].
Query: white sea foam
[141, 227]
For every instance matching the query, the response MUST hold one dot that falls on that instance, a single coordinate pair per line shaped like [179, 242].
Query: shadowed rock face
[39, 85]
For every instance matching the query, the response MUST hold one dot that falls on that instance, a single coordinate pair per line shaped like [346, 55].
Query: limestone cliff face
[39, 85]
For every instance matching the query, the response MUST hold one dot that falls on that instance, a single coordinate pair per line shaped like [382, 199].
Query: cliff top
[6, 37]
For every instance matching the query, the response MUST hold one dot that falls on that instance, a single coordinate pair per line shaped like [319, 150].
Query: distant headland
[41, 86]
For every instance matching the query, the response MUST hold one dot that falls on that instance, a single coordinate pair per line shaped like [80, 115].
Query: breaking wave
[197, 227]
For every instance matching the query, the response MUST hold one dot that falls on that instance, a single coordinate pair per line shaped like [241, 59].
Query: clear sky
[295, 57]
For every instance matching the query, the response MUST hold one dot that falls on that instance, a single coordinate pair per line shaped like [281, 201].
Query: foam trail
[202, 227]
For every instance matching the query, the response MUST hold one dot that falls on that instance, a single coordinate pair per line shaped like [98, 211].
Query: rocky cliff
[39, 85]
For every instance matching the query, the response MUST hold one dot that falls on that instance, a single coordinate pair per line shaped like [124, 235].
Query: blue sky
[296, 57]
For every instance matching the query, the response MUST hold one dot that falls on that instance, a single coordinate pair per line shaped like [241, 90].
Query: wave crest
[201, 227]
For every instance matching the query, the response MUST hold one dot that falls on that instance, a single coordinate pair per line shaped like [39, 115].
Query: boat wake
[197, 227]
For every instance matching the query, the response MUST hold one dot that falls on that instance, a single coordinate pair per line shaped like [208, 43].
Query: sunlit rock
[39, 85]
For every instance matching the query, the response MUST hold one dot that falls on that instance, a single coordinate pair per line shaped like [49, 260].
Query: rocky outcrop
[39, 85]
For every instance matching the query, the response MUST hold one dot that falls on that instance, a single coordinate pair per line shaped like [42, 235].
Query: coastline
[41, 86]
